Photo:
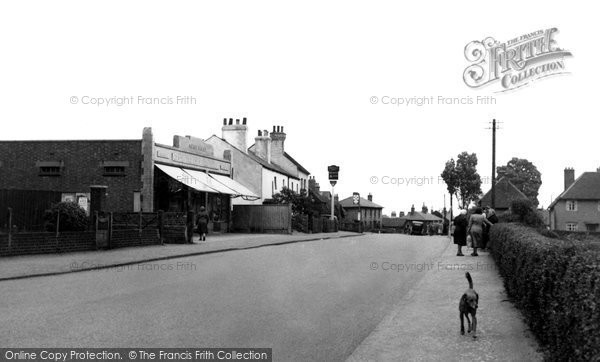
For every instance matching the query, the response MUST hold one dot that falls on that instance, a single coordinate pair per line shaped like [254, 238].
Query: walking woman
[475, 229]
[460, 231]
[202, 223]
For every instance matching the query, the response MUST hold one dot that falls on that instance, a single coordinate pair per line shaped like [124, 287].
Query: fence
[105, 231]
[28, 208]
[275, 219]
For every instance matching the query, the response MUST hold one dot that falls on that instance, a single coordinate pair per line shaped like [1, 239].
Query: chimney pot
[230, 121]
[274, 127]
[281, 129]
[224, 121]
[265, 133]
[244, 120]
[259, 133]
[237, 121]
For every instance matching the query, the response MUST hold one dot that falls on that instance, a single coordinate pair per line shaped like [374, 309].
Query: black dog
[468, 305]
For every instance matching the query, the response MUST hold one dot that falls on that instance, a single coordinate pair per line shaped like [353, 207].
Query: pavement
[425, 324]
[27, 266]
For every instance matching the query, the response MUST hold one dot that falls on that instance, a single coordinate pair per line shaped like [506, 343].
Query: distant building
[577, 208]
[506, 193]
[370, 212]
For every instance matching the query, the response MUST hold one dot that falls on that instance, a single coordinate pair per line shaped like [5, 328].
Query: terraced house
[577, 208]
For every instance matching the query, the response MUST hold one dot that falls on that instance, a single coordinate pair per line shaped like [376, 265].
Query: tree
[524, 175]
[298, 201]
[462, 179]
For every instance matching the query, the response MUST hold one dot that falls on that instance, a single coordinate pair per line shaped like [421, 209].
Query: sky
[314, 68]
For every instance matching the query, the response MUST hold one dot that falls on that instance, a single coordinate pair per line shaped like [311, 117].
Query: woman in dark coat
[460, 231]
[202, 223]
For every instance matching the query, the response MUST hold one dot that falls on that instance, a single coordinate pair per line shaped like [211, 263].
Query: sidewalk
[425, 325]
[17, 267]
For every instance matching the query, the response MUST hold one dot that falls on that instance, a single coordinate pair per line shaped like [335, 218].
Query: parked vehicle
[414, 227]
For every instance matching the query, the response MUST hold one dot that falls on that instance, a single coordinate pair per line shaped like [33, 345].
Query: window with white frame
[571, 226]
[571, 205]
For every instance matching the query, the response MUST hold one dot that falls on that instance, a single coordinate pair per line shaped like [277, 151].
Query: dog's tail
[469, 279]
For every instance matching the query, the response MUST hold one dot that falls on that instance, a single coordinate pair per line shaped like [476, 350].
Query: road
[308, 301]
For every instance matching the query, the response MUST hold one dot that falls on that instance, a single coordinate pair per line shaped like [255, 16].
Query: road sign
[333, 172]
[356, 198]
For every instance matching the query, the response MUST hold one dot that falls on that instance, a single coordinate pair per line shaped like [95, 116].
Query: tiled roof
[419, 216]
[586, 187]
[347, 203]
[265, 164]
[300, 167]
[270, 166]
[506, 193]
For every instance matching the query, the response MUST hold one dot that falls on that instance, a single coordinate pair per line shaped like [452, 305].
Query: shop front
[186, 176]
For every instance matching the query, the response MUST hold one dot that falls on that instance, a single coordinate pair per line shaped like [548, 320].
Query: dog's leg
[462, 323]
[468, 322]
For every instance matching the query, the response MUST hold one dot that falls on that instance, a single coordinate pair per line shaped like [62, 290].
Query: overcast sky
[311, 67]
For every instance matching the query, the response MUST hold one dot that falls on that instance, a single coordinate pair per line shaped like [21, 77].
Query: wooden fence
[275, 219]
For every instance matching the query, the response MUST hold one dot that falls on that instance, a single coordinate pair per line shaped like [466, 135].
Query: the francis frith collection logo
[516, 62]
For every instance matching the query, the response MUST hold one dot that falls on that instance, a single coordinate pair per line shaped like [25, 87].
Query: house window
[275, 182]
[114, 170]
[591, 227]
[571, 226]
[571, 205]
[49, 171]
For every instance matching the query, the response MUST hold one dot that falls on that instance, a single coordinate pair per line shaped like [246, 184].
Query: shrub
[72, 217]
[556, 284]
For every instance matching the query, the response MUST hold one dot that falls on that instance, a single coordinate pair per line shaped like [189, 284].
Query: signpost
[356, 201]
[333, 177]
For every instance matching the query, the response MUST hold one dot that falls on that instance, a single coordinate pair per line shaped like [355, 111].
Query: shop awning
[238, 188]
[203, 178]
[182, 176]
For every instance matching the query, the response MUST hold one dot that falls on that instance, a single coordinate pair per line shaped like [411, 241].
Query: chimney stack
[277, 149]
[393, 213]
[412, 209]
[262, 145]
[235, 134]
[569, 177]
[370, 197]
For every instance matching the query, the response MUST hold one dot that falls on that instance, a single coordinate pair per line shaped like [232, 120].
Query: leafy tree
[462, 179]
[299, 201]
[524, 175]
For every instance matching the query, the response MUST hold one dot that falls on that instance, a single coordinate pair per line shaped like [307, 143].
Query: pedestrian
[460, 231]
[202, 223]
[493, 218]
[475, 228]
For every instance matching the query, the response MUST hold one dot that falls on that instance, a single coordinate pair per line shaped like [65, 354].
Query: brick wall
[587, 212]
[82, 167]
[126, 238]
[45, 243]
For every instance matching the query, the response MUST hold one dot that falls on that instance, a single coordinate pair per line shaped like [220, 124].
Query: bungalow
[577, 208]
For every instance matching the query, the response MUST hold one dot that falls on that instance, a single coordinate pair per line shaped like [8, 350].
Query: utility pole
[494, 163]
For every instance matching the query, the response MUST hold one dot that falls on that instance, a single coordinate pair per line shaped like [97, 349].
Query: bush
[523, 211]
[72, 217]
[556, 284]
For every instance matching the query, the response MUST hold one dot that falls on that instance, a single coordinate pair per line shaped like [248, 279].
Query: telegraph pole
[494, 164]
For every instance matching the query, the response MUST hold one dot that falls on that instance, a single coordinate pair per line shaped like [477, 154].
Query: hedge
[556, 284]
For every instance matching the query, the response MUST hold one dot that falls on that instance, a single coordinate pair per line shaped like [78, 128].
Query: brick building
[137, 175]
[370, 212]
[577, 208]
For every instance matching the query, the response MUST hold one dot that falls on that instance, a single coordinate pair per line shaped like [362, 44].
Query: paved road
[309, 301]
